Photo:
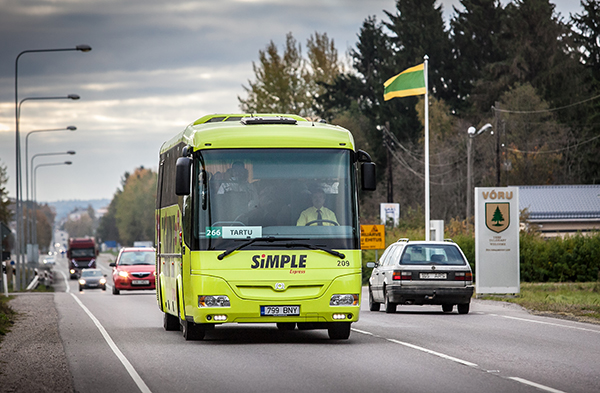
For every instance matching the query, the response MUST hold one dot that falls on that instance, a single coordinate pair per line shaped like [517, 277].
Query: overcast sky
[155, 66]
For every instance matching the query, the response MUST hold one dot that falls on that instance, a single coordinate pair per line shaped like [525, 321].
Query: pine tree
[497, 217]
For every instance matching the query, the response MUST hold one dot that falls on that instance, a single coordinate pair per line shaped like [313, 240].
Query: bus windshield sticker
[242, 232]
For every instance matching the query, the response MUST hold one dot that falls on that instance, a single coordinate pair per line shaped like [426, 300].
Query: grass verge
[7, 315]
[573, 300]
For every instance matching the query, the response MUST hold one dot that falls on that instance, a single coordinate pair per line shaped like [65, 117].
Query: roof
[565, 202]
[268, 131]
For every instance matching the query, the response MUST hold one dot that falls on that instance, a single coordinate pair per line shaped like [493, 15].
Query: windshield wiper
[269, 239]
[320, 248]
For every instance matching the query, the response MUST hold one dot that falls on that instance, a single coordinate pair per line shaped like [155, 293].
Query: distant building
[562, 210]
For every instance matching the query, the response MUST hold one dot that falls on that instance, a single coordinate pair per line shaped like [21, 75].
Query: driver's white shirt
[310, 214]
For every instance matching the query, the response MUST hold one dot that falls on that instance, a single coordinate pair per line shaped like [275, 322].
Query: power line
[545, 110]
[554, 151]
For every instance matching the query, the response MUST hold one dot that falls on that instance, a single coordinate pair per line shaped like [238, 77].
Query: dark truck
[81, 254]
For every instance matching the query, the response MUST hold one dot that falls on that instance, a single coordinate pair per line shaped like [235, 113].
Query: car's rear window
[432, 254]
[137, 258]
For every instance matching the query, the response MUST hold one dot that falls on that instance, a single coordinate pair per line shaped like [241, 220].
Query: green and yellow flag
[410, 82]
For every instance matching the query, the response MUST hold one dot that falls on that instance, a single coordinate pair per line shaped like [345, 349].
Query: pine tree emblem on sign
[497, 216]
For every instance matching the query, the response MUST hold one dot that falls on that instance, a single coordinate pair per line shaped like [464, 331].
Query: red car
[134, 269]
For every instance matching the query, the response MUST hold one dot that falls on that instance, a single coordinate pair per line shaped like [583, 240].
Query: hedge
[574, 258]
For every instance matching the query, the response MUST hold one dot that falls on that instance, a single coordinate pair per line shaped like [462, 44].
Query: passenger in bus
[266, 210]
[317, 214]
[235, 179]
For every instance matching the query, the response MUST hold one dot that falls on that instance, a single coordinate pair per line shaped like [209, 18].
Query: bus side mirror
[182, 175]
[368, 179]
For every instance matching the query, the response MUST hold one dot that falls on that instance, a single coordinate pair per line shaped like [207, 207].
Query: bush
[572, 259]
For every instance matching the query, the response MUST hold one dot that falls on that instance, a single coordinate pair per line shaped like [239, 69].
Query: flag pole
[427, 217]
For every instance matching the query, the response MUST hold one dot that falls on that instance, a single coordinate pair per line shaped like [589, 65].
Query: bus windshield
[301, 195]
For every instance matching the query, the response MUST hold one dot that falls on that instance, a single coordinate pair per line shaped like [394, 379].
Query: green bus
[257, 222]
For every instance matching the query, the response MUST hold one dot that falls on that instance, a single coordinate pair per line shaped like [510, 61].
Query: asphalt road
[117, 344]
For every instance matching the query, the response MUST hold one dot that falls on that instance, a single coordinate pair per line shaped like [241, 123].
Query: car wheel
[170, 322]
[115, 290]
[463, 308]
[286, 325]
[373, 305]
[390, 307]
[80, 288]
[447, 307]
[192, 331]
[104, 287]
[338, 330]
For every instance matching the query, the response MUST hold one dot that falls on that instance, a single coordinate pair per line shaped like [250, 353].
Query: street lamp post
[69, 128]
[34, 176]
[18, 179]
[34, 223]
[472, 134]
[20, 238]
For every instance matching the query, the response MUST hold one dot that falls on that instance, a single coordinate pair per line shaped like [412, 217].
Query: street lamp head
[473, 133]
[68, 162]
[71, 128]
[484, 128]
[83, 48]
[71, 152]
[73, 96]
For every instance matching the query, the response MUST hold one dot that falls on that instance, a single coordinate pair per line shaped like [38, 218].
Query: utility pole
[497, 129]
[390, 183]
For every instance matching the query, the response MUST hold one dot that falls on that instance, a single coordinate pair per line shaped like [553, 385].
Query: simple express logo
[278, 261]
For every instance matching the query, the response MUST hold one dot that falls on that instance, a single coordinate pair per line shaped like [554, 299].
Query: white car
[49, 260]
[421, 272]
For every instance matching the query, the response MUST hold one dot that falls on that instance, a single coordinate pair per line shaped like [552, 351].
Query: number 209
[344, 263]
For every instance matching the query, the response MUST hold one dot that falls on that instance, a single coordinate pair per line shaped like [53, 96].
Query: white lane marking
[134, 375]
[429, 351]
[547, 323]
[66, 282]
[464, 362]
[536, 385]
[362, 332]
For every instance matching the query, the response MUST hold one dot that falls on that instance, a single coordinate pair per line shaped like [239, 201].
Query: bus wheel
[286, 325]
[339, 330]
[170, 322]
[191, 331]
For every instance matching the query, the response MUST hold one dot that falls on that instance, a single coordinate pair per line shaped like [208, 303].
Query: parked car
[421, 272]
[92, 278]
[134, 269]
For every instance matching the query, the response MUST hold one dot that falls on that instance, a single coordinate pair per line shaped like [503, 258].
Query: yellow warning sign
[372, 237]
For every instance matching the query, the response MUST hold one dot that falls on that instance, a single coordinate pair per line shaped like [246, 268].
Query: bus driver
[317, 214]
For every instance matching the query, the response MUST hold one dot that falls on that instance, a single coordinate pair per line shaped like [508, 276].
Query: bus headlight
[213, 301]
[344, 300]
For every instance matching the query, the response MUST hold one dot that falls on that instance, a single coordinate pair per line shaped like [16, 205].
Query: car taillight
[400, 275]
[463, 276]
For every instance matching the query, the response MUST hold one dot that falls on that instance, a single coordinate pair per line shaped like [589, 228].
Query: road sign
[372, 237]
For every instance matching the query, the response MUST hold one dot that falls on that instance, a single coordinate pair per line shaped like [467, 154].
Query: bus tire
[170, 322]
[338, 330]
[192, 331]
